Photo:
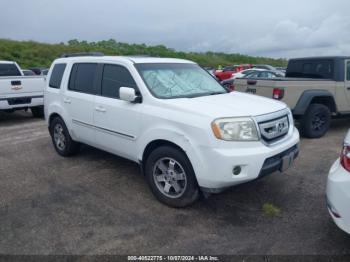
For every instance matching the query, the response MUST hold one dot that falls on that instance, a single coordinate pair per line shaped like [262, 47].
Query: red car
[229, 71]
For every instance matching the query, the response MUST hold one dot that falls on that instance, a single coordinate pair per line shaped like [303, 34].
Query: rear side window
[114, 77]
[83, 77]
[56, 75]
[319, 69]
[9, 70]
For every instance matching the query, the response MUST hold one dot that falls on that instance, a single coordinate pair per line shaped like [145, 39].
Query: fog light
[236, 170]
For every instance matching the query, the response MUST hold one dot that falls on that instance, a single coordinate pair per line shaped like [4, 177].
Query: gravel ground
[97, 203]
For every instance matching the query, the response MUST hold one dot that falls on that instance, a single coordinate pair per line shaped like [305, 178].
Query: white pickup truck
[18, 92]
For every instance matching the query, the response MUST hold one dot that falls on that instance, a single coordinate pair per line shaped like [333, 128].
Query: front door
[117, 122]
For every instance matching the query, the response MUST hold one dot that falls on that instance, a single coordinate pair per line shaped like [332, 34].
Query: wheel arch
[152, 145]
[314, 97]
[53, 116]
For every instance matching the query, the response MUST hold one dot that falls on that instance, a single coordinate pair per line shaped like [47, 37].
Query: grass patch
[271, 210]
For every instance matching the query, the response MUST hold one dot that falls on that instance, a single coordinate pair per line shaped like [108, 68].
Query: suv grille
[275, 129]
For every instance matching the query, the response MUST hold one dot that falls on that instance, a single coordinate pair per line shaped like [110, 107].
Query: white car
[338, 188]
[243, 73]
[185, 130]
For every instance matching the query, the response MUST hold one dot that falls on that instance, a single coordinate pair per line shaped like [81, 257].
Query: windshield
[178, 80]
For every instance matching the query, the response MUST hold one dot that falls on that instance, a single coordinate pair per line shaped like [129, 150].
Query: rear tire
[38, 111]
[171, 178]
[316, 121]
[62, 141]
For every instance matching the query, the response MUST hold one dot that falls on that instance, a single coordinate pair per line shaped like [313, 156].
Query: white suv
[185, 130]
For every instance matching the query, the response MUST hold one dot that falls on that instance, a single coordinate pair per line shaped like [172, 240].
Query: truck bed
[265, 87]
[21, 92]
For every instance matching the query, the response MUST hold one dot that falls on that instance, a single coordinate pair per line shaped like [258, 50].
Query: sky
[272, 28]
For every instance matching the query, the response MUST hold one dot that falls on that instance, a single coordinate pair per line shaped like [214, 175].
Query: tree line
[34, 54]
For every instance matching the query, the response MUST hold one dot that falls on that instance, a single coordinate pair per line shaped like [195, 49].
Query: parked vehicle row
[250, 73]
[18, 92]
[236, 71]
[315, 88]
[188, 133]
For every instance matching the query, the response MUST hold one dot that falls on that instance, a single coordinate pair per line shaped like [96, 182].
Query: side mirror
[129, 94]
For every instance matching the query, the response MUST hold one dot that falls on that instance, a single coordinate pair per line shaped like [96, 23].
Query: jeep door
[117, 122]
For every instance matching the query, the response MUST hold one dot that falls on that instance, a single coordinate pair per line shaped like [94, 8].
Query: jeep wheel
[62, 141]
[316, 121]
[171, 178]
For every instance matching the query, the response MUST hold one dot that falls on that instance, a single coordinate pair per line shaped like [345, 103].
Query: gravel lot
[97, 203]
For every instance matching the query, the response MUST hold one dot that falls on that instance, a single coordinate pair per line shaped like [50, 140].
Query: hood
[234, 104]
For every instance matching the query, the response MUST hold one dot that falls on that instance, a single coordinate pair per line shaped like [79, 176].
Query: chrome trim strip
[109, 131]
[19, 97]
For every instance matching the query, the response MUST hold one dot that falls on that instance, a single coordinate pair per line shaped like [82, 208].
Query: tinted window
[348, 71]
[9, 70]
[82, 78]
[320, 69]
[253, 75]
[115, 77]
[56, 76]
[28, 73]
[264, 74]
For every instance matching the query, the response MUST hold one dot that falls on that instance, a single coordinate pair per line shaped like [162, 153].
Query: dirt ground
[97, 203]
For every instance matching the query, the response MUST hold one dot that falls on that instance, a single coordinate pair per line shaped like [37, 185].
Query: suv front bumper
[254, 160]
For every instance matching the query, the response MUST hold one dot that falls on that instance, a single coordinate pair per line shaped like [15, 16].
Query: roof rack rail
[82, 54]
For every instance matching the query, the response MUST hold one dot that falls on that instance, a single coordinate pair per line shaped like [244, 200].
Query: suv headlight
[235, 129]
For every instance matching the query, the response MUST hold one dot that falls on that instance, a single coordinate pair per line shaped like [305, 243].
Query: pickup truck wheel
[62, 141]
[315, 123]
[38, 111]
[171, 178]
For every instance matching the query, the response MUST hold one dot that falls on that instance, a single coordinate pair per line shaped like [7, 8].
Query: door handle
[100, 109]
[66, 100]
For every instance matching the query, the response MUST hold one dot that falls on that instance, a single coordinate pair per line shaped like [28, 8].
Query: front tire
[171, 178]
[316, 121]
[62, 141]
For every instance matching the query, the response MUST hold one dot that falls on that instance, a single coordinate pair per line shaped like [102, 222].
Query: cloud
[274, 28]
[288, 38]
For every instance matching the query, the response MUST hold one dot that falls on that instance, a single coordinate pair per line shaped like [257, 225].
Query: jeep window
[319, 69]
[348, 70]
[9, 70]
[82, 78]
[56, 75]
[178, 80]
[115, 77]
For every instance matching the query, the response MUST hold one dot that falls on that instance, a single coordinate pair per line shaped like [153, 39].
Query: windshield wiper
[216, 93]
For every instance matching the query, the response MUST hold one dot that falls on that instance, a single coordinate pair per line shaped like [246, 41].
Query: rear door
[79, 100]
[117, 122]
